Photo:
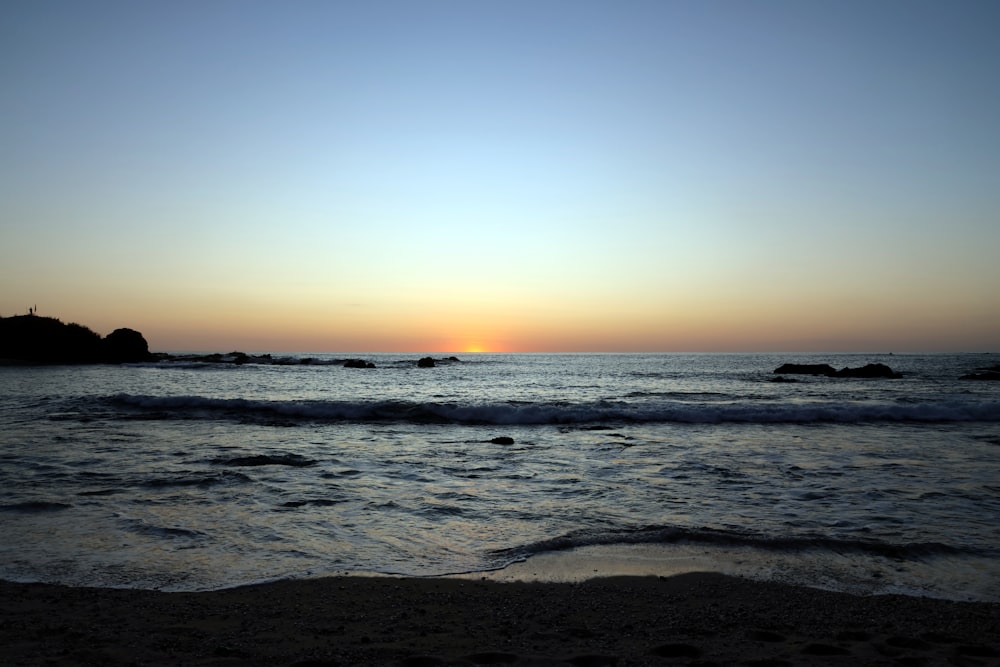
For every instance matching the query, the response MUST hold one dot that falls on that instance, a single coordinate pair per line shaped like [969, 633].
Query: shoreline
[384, 620]
[947, 578]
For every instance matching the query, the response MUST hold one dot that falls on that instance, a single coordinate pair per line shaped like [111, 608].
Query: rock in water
[868, 371]
[806, 369]
[125, 345]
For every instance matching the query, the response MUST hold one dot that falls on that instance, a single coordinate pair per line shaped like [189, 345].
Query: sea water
[191, 475]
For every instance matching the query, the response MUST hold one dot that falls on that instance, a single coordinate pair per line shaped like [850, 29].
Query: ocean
[194, 475]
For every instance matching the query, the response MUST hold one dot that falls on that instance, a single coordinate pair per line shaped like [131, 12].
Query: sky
[445, 176]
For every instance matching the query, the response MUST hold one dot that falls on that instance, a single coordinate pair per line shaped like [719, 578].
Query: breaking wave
[724, 538]
[557, 413]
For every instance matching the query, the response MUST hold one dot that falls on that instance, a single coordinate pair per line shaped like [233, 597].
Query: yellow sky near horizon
[804, 325]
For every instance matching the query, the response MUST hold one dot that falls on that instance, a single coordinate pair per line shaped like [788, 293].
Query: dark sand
[701, 619]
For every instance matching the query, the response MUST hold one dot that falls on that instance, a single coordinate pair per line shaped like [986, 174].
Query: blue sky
[507, 176]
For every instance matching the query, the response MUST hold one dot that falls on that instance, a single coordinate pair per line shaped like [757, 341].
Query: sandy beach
[696, 618]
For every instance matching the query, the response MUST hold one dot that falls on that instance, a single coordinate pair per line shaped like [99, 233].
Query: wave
[141, 527]
[557, 413]
[196, 480]
[35, 506]
[256, 460]
[724, 538]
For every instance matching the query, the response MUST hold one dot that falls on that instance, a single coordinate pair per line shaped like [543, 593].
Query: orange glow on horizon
[668, 325]
[480, 348]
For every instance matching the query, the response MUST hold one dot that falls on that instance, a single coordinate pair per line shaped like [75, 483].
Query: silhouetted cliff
[46, 340]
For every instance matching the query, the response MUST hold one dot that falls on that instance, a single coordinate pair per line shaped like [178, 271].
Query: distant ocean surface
[192, 475]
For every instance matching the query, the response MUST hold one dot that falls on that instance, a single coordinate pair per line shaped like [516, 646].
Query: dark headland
[47, 340]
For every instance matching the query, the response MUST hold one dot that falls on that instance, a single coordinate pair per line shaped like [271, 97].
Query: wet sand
[695, 618]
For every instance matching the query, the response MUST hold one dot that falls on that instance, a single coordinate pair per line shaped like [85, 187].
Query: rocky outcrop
[867, 371]
[47, 340]
[236, 358]
[126, 345]
[431, 362]
[358, 363]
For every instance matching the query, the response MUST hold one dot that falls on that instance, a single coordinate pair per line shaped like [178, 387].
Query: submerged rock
[806, 369]
[502, 440]
[358, 363]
